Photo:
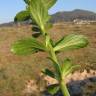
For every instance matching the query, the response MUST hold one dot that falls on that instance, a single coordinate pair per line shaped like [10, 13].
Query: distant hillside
[66, 16]
[71, 15]
[11, 24]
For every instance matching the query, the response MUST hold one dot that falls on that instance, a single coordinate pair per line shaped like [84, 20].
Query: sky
[9, 8]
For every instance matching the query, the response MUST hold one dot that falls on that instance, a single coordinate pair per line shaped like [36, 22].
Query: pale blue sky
[9, 8]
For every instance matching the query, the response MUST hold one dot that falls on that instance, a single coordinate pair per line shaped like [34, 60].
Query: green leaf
[67, 67]
[27, 46]
[49, 73]
[39, 13]
[36, 29]
[53, 89]
[48, 26]
[27, 1]
[72, 68]
[71, 42]
[49, 3]
[57, 68]
[52, 43]
[22, 16]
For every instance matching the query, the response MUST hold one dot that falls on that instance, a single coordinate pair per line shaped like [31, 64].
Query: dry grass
[16, 70]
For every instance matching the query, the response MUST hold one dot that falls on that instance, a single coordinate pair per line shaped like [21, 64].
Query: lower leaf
[49, 73]
[53, 89]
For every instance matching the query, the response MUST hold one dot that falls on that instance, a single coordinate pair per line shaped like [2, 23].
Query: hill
[69, 16]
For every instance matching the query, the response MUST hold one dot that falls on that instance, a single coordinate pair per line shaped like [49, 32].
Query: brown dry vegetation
[16, 70]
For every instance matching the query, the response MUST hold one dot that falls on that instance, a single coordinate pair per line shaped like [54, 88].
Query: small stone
[46, 94]
[83, 83]
[92, 79]
[94, 94]
[75, 90]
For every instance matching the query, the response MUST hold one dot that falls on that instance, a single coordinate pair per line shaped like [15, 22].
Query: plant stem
[64, 88]
[62, 84]
[53, 55]
[50, 47]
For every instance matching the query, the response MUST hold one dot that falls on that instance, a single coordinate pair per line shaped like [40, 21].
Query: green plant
[37, 11]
